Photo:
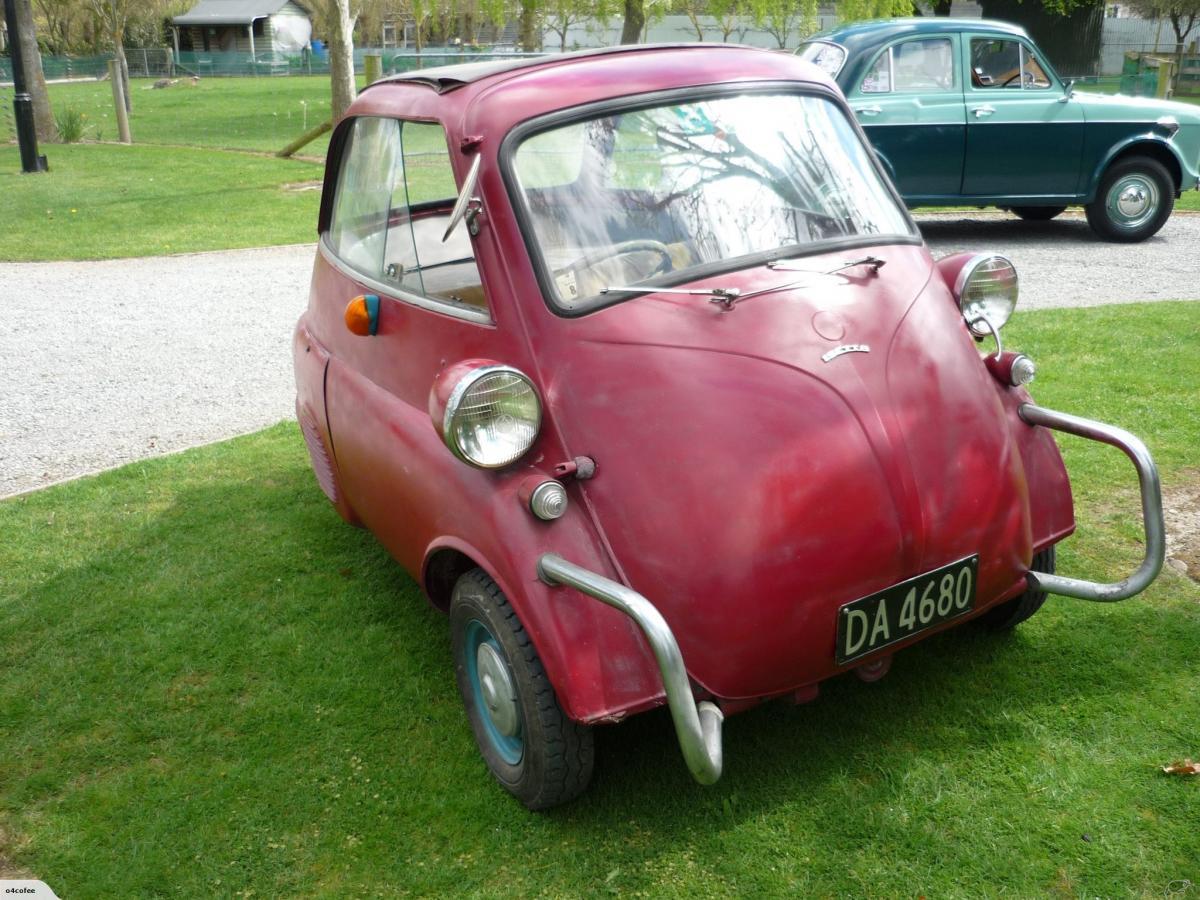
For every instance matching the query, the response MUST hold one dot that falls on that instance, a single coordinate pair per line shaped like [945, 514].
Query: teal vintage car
[968, 111]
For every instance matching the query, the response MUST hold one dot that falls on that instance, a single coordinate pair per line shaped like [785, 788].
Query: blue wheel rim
[509, 748]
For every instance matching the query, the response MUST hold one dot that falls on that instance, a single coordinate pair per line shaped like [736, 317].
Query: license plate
[897, 613]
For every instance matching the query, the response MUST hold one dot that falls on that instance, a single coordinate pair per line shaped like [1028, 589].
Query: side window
[1033, 75]
[395, 192]
[364, 194]
[878, 79]
[923, 65]
[1005, 64]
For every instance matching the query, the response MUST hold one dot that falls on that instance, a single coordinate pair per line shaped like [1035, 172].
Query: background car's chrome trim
[698, 725]
[1152, 514]
[446, 307]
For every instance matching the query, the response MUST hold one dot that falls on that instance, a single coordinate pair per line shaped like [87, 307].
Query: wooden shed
[258, 27]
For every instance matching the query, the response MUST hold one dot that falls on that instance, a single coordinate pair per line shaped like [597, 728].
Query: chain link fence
[162, 62]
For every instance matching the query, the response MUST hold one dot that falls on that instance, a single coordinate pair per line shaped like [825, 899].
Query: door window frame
[337, 155]
[1025, 50]
[955, 78]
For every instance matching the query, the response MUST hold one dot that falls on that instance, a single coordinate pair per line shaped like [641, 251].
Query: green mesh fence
[162, 63]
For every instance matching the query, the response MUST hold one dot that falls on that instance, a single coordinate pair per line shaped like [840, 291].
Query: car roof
[862, 39]
[449, 78]
[484, 100]
[885, 29]
[859, 37]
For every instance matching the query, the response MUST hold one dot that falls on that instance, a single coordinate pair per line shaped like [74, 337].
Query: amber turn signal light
[362, 314]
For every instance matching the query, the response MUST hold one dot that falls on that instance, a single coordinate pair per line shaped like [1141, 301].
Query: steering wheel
[624, 248]
[1026, 78]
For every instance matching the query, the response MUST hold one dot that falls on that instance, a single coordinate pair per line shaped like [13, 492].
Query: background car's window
[878, 79]
[922, 65]
[663, 190]
[825, 56]
[395, 192]
[1005, 64]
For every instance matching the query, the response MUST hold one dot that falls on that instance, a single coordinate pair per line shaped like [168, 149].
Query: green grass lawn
[262, 114]
[106, 200]
[211, 686]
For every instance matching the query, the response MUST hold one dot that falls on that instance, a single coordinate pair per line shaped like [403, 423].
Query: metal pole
[22, 101]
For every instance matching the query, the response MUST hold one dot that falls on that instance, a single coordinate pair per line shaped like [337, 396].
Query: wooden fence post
[372, 67]
[114, 75]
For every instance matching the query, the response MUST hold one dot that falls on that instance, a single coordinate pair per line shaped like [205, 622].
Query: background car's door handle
[983, 111]
[868, 110]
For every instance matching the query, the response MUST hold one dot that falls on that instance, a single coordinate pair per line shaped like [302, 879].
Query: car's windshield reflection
[618, 199]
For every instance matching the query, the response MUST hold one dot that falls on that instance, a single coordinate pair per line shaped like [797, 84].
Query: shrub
[70, 123]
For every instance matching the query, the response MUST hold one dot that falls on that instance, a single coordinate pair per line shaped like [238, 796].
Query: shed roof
[229, 12]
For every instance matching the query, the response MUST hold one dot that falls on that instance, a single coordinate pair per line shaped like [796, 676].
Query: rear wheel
[1134, 200]
[1038, 213]
[1011, 613]
[527, 741]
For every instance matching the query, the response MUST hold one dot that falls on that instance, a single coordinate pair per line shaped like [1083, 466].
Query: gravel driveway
[102, 363]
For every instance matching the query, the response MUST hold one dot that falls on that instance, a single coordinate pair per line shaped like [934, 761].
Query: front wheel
[1037, 213]
[527, 741]
[1011, 613]
[1135, 198]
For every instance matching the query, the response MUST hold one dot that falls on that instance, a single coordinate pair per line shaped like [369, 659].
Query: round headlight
[986, 289]
[492, 416]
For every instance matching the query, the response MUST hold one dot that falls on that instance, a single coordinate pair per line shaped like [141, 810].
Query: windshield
[828, 57]
[656, 194]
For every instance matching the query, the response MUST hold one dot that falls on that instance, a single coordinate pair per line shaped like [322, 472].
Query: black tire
[1011, 613]
[1037, 213]
[1149, 190]
[531, 747]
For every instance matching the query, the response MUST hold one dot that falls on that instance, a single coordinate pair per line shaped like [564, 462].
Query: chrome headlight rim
[461, 387]
[962, 282]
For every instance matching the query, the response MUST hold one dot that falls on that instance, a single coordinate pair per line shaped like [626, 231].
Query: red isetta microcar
[636, 361]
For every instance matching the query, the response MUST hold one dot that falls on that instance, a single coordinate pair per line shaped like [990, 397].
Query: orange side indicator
[362, 314]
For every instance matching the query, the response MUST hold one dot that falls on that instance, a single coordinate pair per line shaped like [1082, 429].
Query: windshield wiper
[724, 296]
[781, 265]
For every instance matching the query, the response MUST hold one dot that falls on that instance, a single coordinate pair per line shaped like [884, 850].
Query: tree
[730, 16]
[561, 15]
[1183, 15]
[857, 10]
[341, 58]
[635, 21]
[59, 17]
[779, 18]
[528, 28]
[26, 44]
[114, 16]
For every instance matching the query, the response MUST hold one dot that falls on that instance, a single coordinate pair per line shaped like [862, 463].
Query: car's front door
[1024, 135]
[395, 190]
[910, 102]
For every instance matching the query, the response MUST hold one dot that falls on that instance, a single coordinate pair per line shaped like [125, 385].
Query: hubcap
[496, 685]
[495, 692]
[1133, 200]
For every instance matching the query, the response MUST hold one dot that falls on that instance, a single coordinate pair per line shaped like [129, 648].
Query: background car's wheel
[1037, 213]
[530, 745]
[1011, 613]
[1135, 198]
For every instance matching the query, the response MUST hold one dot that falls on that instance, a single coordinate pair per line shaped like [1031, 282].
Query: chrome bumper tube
[1152, 513]
[698, 725]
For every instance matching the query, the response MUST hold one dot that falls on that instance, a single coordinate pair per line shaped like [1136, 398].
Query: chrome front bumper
[698, 725]
[1152, 514]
